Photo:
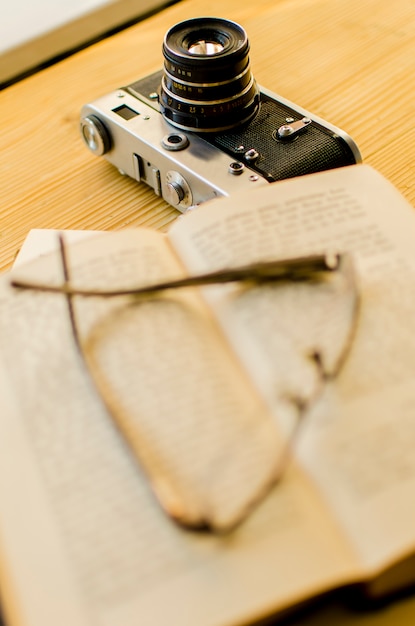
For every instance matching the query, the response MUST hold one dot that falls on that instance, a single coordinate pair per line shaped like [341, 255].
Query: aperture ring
[208, 92]
[203, 70]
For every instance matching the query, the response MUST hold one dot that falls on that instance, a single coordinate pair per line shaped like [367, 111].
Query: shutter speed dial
[178, 191]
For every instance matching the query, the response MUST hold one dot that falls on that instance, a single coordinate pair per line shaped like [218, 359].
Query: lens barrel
[207, 84]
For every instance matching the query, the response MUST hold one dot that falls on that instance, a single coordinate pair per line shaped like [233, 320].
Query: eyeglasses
[216, 486]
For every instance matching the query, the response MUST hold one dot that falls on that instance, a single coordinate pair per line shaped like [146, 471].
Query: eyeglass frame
[304, 268]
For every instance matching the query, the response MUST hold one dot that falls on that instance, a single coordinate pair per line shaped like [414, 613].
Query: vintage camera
[201, 128]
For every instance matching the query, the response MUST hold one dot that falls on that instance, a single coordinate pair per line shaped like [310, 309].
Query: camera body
[201, 128]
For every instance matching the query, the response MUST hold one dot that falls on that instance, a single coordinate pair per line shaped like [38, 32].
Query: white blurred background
[33, 32]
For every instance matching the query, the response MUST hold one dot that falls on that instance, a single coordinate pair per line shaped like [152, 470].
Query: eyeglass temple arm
[297, 268]
[67, 278]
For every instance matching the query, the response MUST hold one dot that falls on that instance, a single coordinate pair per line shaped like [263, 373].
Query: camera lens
[207, 85]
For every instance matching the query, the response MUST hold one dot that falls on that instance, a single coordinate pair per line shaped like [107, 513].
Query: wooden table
[352, 62]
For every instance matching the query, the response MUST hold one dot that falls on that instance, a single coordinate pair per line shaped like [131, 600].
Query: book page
[357, 443]
[78, 519]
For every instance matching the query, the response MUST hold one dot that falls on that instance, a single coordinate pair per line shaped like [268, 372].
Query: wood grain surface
[349, 61]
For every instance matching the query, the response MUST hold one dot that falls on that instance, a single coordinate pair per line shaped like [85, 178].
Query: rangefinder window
[125, 112]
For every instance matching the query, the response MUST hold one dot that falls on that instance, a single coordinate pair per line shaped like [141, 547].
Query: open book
[83, 539]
